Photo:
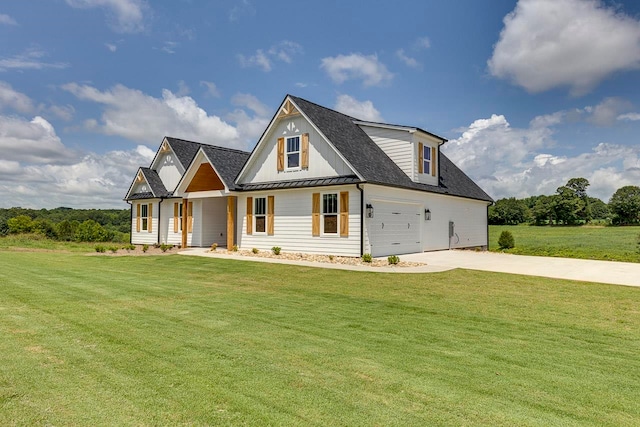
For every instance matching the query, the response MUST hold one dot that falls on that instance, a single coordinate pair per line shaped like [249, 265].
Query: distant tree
[67, 229]
[543, 212]
[625, 205]
[20, 224]
[579, 186]
[599, 209]
[45, 227]
[91, 231]
[509, 211]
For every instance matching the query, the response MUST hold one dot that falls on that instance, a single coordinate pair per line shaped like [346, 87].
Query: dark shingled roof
[373, 164]
[227, 161]
[155, 185]
[184, 150]
[315, 182]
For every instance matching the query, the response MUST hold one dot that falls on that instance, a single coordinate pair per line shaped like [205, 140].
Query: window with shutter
[249, 215]
[261, 214]
[144, 216]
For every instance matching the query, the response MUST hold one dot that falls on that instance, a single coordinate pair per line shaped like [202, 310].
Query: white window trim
[426, 163]
[179, 217]
[322, 213]
[256, 215]
[287, 152]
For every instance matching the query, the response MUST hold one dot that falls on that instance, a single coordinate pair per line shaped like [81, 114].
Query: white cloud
[112, 47]
[551, 43]
[33, 141]
[124, 16]
[259, 60]
[360, 110]
[518, 162]
[629, 116]
[10, 98]
[409, 62]
[283, 51]
[7, 20]
[64, 112]
[140, 117]
[606, 113]
[357, 66]
[250, 127]
[30, 59]
[169, 47]
[212, 89]
[422, 43]
[243, 8]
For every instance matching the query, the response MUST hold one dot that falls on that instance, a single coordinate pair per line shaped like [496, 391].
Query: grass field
[604, 243]
[174, 340]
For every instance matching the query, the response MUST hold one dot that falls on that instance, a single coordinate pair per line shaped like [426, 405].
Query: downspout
[361, 218]
[488, 225]
[159, 218]
[130, 221]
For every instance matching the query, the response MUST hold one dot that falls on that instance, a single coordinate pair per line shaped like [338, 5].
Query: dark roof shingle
[227, 161]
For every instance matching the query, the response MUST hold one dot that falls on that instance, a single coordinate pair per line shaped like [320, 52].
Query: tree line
[570, 205]
[67, 224]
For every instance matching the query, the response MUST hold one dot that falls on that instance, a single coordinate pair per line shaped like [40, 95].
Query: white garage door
[395, 229]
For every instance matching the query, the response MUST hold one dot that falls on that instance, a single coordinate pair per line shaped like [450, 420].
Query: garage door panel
[395, 229]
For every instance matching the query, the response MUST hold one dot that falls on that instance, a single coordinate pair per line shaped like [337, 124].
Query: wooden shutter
[270, 210]
[190, 218]
[305, 151]
[150, 218]
[344, 214]
[315, 214]
[280, 154]
[176, 212]
[138, 217]
[420, 157]
[433, 161]
[249, 215]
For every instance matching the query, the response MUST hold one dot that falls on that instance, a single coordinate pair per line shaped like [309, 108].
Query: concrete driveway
[617, 273]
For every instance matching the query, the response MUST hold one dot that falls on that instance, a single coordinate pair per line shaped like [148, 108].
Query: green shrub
[130, 247]
[255, 250]
[276, 250]
[393, 259]
[234, 248]
[331, 257]
[506, 240]
[214, 246]
[165, 247]
[100, 249]
[145, 247]
[367, 258]
[113, 249]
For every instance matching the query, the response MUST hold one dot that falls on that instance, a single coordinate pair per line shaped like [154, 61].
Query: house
[317, 181]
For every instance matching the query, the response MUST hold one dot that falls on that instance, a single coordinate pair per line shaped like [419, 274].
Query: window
[330, 213]
[179, 216]
[260, 214]
[293, 152]
[144, 214]
[426, 159]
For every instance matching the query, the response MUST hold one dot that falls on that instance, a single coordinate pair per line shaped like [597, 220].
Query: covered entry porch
[209, 220]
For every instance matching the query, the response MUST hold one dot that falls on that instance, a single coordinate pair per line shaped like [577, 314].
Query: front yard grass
[175, 340]
[586, 242]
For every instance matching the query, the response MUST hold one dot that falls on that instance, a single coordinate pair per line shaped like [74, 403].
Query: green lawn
[604, 243]
[175, 340]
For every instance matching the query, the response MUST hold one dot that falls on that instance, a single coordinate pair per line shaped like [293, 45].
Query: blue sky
[529, 93]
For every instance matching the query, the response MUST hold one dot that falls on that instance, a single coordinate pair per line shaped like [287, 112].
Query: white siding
[397, 144]
[292, 224]
[142, 237]
[169, 170]
[140, 187]
[469, 216]
[166, 219]
[324, 161]
[425, 177]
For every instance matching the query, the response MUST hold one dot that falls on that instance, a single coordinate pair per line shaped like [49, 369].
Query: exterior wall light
[369, 210]
[427, 215]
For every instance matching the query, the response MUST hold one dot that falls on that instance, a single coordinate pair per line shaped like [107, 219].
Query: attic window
[426, 158]
[293, 152]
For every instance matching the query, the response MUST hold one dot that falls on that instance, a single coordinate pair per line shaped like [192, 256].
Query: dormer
[414, 150]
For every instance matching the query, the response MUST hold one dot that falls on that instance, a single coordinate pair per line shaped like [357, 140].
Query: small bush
[506, 240]
[276, 250]
[331, 257]
[130, 247]
[393, 259]
[367, 258]
[255, 250]
[145, 247]
[214, 246]
[234, 248]
[113, 249]
[165, 247]
[100, 249]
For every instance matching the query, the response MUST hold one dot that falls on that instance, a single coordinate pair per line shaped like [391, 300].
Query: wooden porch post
[185, 206]
[231, 221]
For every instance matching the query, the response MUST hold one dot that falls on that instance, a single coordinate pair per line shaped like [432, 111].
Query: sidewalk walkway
[617, 273]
